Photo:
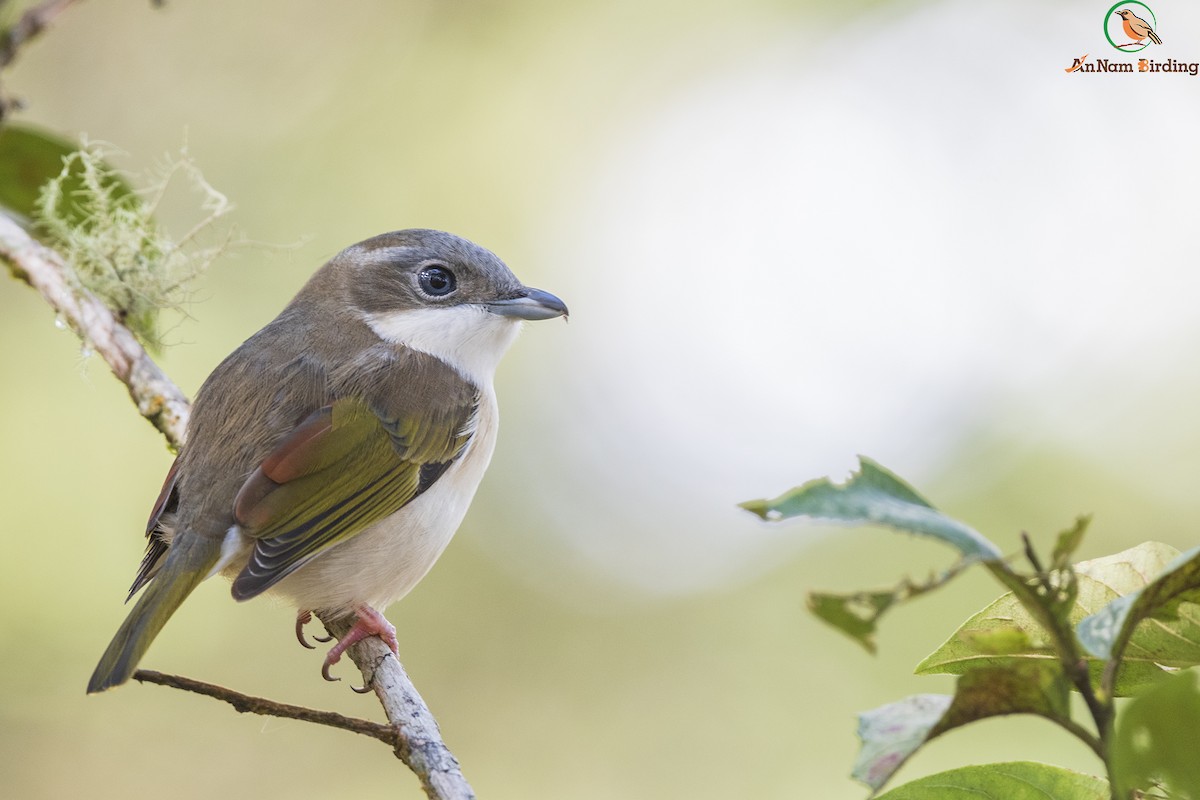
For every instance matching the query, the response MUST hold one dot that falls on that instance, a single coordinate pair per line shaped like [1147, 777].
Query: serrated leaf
[874, 496]
[1155, 740]
[1099, 582]
[29, 157]
[1109, 631]
[890, 734]
[1017, 780]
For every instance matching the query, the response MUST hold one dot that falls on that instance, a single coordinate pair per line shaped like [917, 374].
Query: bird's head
[439, 294]
[1125, 13]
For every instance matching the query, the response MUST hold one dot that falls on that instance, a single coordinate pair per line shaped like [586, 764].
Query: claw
[369, 623]
[302, 619]
[325, 674]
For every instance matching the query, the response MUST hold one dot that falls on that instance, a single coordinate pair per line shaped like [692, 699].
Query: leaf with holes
[874, 496]
[857, 614]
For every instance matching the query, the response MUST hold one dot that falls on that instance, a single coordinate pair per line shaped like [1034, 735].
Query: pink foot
[369, 623]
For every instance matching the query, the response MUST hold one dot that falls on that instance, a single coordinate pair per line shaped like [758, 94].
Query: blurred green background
[788, 232]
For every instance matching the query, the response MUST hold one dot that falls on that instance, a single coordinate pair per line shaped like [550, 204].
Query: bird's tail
[1154, 38]
[189, 561]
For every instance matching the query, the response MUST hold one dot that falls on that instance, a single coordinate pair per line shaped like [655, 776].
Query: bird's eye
[436, 281]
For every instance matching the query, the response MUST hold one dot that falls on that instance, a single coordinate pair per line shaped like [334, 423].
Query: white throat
[468, 337]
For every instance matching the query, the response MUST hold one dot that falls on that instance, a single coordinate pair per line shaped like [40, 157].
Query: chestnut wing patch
[338, 472]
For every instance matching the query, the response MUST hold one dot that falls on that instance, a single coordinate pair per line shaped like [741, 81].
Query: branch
[157, 398]
[414, 734]
[419, 743]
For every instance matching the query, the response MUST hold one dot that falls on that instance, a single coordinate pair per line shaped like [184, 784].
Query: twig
[31, 23]
[245, 703]
[414, 734]
[1048, 590]
[1084, 735]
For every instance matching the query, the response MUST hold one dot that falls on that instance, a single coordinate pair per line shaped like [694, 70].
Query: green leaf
[874, 496]
[1017, 780]
[1004, 632]
[1026, 687]
[1068, 542]
[1111, 629]
[892, 733]
[29, 157]
[857, 614]
[1155, 740]
[853, 614]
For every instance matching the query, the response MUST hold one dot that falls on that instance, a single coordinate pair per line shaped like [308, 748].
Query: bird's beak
[534, 304]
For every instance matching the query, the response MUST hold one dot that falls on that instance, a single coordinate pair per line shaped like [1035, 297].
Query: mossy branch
[156, 396]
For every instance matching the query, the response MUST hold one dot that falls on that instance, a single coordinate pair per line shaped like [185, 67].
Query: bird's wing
[350, 464]
[156, 548]
[1140, 27]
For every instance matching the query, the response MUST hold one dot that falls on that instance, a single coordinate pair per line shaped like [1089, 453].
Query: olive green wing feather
[344, 468]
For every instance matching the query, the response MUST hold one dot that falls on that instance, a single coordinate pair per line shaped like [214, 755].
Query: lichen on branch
[118, 249]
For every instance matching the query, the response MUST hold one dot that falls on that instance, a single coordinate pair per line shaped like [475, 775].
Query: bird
[330, 458]
[1137, 28]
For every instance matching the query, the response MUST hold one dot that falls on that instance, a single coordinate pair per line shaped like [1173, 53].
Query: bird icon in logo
[1137, 28]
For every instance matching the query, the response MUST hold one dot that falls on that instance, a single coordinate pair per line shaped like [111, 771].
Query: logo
[1130, 27]
[1128, 32]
